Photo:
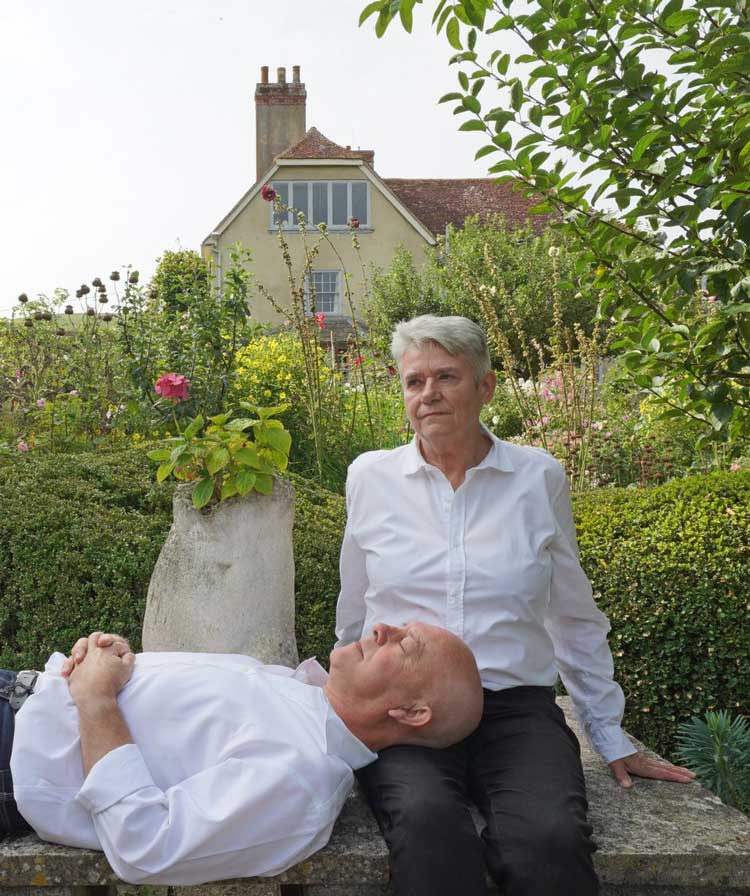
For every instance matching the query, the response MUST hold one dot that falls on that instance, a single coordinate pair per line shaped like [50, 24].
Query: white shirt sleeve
[351, 608]
[243, 817]
[578, 630]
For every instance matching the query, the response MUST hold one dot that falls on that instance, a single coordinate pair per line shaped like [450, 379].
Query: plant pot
[224, 580]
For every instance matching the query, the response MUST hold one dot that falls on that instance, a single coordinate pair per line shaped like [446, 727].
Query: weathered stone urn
[224, 580]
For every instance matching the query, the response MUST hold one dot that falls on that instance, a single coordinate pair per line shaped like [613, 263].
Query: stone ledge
[657, 839]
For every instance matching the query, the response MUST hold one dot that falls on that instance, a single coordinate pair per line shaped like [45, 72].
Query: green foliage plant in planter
[226, 455]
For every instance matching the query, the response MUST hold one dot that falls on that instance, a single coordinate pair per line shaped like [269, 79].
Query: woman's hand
[644, 767]
[81, 647]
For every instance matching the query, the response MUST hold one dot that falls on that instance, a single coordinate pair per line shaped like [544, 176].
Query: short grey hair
[457, 335]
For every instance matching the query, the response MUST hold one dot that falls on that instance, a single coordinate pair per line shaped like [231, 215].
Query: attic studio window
[331, 202]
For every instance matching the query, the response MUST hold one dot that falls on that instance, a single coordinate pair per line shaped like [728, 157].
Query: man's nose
[385, 633]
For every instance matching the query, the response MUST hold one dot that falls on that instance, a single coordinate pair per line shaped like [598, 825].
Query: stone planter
[224, 580]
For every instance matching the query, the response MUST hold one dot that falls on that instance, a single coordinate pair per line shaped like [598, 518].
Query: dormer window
[330, 202]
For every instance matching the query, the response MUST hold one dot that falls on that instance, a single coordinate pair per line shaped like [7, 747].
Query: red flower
[358, 360]
[391, 370]
[320, 319]
[173, 386]
[268, 193]
[354, 223]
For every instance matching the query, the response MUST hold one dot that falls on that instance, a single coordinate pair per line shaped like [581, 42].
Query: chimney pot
[281, 75]
[264, 74]
[295, 74]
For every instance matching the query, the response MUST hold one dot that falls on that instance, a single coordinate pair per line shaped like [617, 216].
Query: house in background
[338, 186]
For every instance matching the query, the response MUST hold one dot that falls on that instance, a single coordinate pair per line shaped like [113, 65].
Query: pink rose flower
[320, 319]
[735, 467]
[268, 193]
[354, 223]
[40, 402]
[173, 386]
[22, 447]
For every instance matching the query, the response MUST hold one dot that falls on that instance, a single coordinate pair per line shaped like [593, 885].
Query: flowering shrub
[271, 370]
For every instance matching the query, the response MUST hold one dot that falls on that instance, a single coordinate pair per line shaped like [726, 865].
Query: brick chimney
[279, 116]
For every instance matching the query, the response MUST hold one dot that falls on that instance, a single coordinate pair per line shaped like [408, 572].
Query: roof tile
[438, 202]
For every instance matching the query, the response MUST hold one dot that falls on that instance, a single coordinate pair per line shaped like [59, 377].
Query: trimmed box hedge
[79, 536]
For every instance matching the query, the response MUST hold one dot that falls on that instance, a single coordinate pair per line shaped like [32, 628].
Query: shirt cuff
[114, 777]
[610, 742]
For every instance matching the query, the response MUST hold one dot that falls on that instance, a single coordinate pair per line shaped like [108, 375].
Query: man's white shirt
[237, 769]
[495, 562]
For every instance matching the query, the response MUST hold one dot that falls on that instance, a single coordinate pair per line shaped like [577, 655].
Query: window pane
[320, 202]
[325, 288]
[339, 212]
[282, 189]
[359, 202]
[299, 201]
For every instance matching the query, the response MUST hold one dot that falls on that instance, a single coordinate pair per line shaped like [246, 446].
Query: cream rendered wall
[252, 228]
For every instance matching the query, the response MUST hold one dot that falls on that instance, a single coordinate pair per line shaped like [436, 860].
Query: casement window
[330, 202]
[324, 289]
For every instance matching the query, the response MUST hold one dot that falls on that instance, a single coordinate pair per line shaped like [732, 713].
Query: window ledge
[329, 229]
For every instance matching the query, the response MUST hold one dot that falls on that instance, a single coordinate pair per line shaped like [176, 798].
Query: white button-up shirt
[495, 561]
[237, 769]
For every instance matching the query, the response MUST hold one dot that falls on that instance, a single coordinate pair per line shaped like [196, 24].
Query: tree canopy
[631, 118]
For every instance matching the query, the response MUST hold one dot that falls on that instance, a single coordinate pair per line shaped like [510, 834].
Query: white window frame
[337, 308]
[291, 221]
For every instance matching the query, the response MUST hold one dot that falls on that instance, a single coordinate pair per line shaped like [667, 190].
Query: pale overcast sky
[129, 128]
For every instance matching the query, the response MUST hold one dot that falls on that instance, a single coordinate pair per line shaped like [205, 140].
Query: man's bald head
[415, 684]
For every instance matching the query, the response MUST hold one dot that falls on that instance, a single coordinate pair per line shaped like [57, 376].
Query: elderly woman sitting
[463, 530]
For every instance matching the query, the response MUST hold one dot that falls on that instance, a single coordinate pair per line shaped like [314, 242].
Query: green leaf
[449, 97]
[369, 10]
[485, 151]
[220, 419]
[264, 484]
[516, 94]
[193, 427]
[405, 13]
[161, 454]
[265, 413]
[228, 488]
[216, 460]
[278, 439]
[245, 480]
[202, 492]
[472, 104]
[452, 32]
[164, 471]
[643, 144]
[239, 424]
[474, 124]
[247, 456]
[504, 23]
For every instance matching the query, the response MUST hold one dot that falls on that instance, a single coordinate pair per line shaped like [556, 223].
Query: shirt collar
[342, 743]
[497, 457]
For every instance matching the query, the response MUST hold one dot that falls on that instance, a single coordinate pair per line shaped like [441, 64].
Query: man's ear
[414, 716]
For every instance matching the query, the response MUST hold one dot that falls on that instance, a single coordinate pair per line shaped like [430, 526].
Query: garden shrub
[79, 539]
[669, 568]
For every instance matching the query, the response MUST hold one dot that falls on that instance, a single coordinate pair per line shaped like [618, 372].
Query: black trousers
[522, 769]
[11, 820]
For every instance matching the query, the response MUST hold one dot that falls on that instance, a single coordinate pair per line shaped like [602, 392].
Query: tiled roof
[440, 202]
[315, 145]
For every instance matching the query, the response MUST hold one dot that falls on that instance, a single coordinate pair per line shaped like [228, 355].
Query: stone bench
[657, 839]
